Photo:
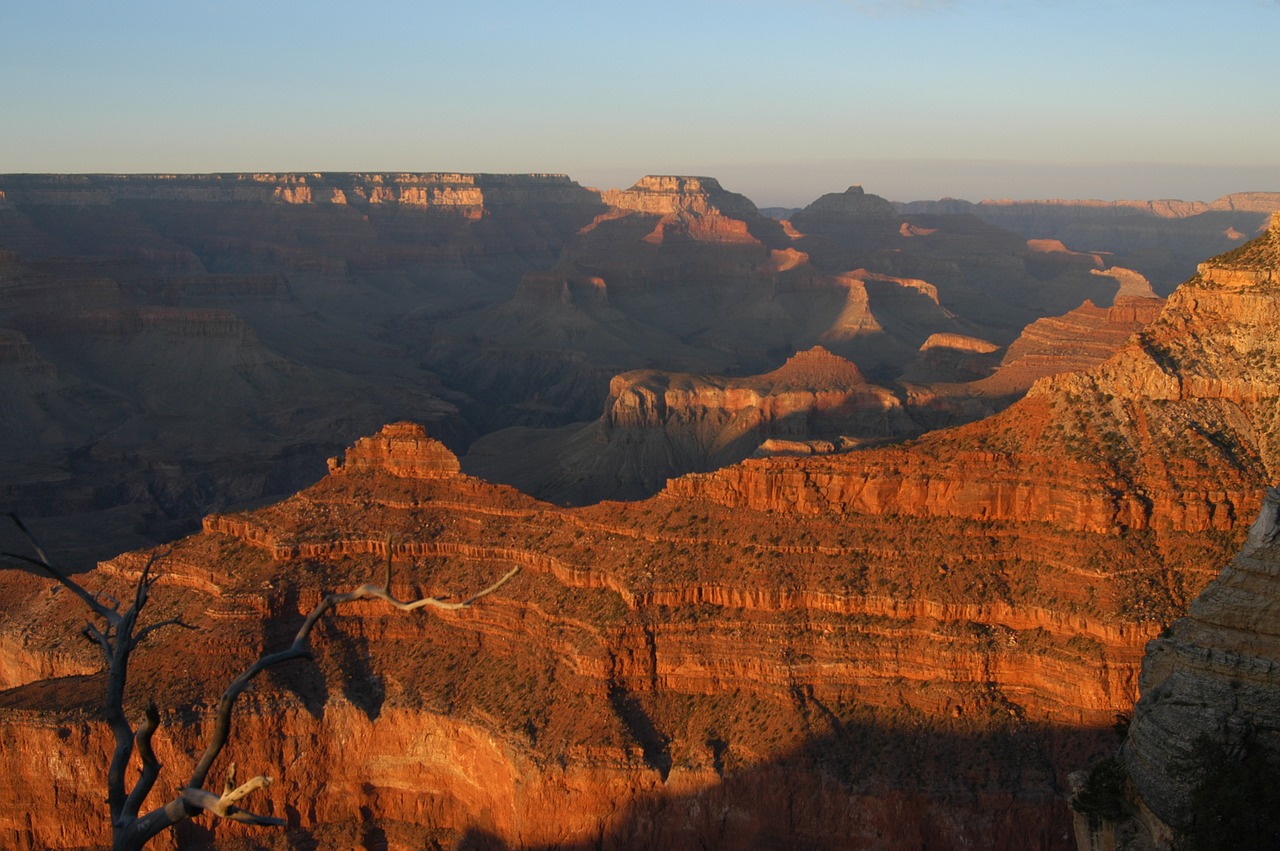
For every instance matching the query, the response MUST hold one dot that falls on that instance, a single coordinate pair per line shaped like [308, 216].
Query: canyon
[837, 643]
[299, 311]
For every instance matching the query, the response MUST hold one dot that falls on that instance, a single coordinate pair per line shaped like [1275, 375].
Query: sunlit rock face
[652, 662]
[1077, 340]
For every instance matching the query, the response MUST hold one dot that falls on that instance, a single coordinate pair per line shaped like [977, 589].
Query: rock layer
[651, 661]
[659, 425]
[1074, 341]
[889, 646]
[1214, 675]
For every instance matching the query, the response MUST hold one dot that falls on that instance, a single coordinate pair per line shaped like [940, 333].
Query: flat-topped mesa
[1253, 202]
[465, 194]
[665, 195]
[1165, 208]
[694, 209]
[402, 449]
[813, 390]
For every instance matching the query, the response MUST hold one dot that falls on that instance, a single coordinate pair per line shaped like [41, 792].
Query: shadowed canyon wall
[179, 344]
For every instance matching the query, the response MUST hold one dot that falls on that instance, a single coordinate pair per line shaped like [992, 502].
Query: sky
[782, 100]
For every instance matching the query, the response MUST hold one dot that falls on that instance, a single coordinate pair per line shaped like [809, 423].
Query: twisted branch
[225, 806]
[118, 639]
[301, 649]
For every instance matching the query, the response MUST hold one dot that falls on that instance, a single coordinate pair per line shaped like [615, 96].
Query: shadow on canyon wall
[918, 787]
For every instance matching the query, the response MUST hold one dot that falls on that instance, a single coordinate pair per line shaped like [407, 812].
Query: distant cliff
[1162, 239]
[466, 194]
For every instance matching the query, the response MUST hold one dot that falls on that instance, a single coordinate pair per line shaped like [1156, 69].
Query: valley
[845, 530]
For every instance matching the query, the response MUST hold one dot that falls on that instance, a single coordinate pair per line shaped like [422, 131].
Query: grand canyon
[861, 525]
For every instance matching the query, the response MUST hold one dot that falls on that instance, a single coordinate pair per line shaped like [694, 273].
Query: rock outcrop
[659, 425]
[854, 204]
[1075, 341]
[648, 666]
[1200, 761]
[401, 449]
[1211, 684]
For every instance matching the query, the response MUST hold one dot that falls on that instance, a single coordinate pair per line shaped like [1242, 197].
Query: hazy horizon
[913, 99]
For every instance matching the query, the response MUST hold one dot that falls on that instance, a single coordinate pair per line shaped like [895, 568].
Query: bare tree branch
[94, 634]
[43, 562]
[147, 630]
[224, 806]
[107, 614]
[232, 793]
[300, 649]
[150, 765]
[117, 639]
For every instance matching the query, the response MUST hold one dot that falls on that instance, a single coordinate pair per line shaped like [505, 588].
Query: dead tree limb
[119, 636]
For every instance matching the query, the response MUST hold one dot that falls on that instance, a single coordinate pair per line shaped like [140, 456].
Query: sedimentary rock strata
[658, 425]
[908, 645]
[1211, 679]
[650, 661]
[1074, 341]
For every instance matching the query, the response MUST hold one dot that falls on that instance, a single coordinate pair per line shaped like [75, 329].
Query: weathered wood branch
[223, 807]
[301, 649]
[147, 630]
[94, 634]
[107, 614]
[150, 764]
[232, 793]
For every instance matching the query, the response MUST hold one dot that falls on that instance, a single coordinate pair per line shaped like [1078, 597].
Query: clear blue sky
[781, 99]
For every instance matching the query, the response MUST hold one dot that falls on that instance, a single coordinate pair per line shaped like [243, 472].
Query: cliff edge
[1200, 766]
